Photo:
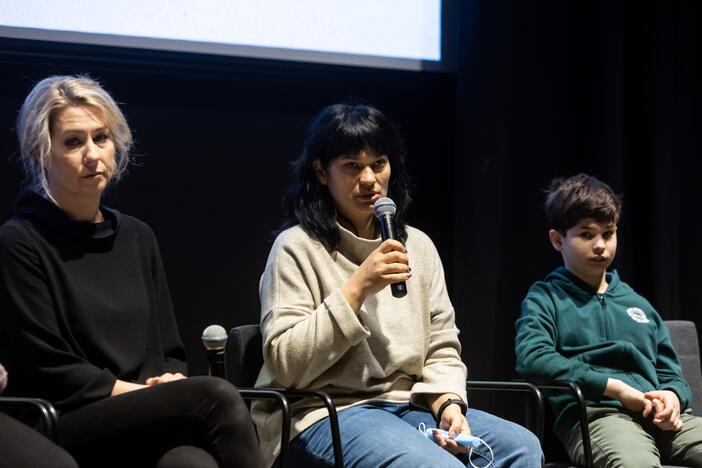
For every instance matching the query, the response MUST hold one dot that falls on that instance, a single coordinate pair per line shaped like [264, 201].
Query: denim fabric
[385, 434]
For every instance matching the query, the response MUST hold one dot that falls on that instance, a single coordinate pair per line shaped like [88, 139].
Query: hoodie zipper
[603, 303]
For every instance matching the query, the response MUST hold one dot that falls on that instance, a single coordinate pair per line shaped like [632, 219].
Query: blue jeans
[385, 434]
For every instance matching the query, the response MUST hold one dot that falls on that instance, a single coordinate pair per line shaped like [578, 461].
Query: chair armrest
[272, 394]
[47, 415]
[520, 387]
[573, 388]
[333, 418]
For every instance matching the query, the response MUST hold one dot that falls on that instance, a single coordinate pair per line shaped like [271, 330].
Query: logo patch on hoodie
[637, 315]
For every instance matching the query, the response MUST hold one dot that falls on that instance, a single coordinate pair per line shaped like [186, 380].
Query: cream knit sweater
[393, 350]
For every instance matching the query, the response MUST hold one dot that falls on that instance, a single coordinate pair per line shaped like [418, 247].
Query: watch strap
[447, 403]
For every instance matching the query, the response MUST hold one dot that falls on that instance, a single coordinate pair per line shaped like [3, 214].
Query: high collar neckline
[356, 248]
[32, 205]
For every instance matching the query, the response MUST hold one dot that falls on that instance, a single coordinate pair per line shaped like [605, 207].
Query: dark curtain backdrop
[214, 140]
[543, 88]
[553, 88]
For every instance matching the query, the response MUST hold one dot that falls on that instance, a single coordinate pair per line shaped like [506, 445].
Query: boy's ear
[319, 171]
[556, 239]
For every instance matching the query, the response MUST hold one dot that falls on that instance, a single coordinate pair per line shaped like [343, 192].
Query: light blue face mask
[465, 440]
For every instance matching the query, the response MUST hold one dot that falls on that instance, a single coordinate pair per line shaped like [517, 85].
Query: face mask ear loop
[491, 462]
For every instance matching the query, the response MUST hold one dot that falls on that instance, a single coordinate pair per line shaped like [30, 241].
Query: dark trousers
[23, 447]
[195, 422]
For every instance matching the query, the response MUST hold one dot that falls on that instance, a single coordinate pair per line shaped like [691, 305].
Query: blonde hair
[41, 107]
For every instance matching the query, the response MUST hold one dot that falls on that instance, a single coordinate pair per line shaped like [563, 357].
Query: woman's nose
[90, 152]
[367, 176]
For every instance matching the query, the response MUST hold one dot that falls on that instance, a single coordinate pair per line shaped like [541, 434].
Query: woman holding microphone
[329, 320]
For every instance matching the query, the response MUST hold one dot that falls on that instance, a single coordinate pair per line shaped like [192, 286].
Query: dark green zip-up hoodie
[568, 332]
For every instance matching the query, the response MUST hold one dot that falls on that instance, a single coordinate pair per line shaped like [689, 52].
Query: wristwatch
[447, 403]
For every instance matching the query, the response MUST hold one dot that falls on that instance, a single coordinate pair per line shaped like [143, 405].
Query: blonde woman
[87, 321]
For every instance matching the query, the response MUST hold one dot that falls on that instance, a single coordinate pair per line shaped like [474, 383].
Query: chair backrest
[683, 334]
[244, 355]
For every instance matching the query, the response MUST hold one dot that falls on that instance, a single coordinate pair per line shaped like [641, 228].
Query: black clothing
[82, 304]
[142, 428]
[23, 447]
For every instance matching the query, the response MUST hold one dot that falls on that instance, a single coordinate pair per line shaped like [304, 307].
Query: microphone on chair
[384, 210]
[214, 339]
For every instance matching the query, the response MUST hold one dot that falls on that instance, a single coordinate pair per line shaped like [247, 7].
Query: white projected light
[394, 33]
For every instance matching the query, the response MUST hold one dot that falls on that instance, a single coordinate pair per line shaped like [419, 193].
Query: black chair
[214, 339]
[534, 420]
[683, 335]
[282, 401]
[244, 361]
[35, 412]
[552, 444]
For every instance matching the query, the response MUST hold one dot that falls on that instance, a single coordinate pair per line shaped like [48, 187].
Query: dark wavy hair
[343, 129]
[570, 200]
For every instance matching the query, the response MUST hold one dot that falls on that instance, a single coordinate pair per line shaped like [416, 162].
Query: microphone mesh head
[214, 337]
[384, 206]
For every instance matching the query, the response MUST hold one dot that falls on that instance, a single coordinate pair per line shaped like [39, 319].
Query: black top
[82, 304]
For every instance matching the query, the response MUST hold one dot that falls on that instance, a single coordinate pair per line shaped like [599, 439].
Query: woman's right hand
[122, 386]
[387, 264]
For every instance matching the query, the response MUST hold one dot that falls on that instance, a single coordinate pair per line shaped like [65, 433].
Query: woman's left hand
[453, 421]
[164, 378]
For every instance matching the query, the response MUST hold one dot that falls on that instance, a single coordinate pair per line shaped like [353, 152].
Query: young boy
[583, 324]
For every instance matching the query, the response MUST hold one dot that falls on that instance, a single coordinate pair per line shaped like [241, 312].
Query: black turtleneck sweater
[82, 304]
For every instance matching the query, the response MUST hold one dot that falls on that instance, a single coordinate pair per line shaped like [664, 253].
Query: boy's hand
[666, 415]
[630, 398]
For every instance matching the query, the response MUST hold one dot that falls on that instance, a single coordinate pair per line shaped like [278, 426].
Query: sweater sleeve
[34, 349]
[668, 367]
[173, 349]
[443, 371]
[537, 356]
[302, 338]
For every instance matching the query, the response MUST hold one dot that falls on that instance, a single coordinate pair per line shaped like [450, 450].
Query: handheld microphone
[384, 210]
[214, 339]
